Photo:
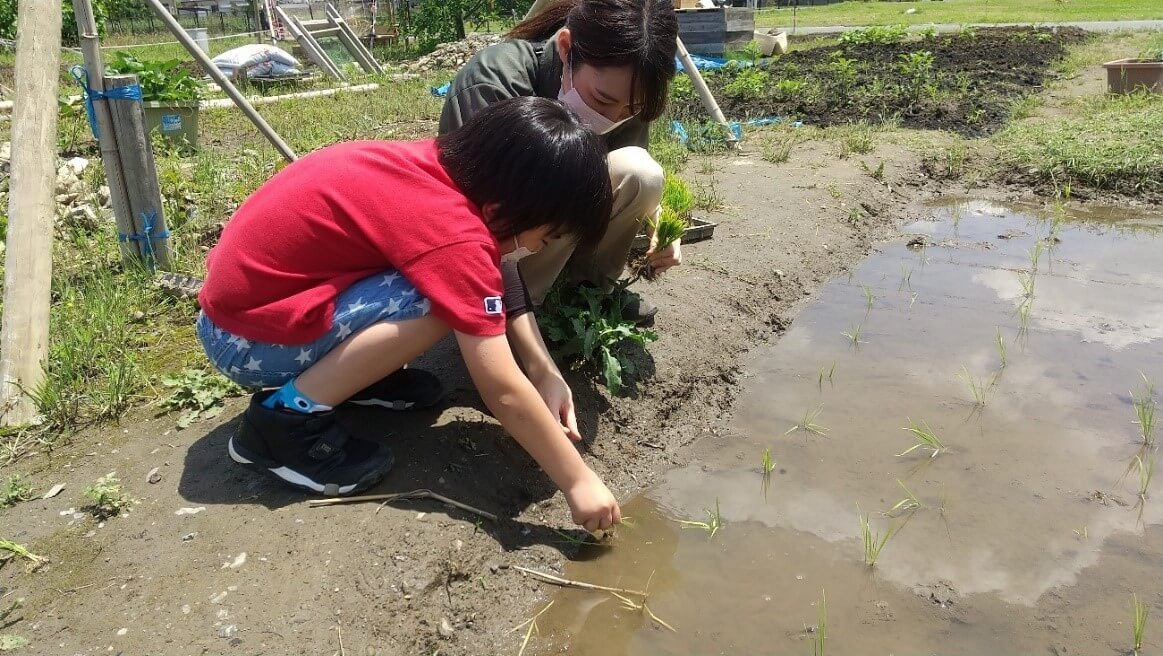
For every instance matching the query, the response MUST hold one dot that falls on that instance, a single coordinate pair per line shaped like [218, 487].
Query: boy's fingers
[617, 514]
[571, 425]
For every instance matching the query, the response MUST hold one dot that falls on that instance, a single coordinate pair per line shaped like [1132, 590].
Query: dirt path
[248, 568]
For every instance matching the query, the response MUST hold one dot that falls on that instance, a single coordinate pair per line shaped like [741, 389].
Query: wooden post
[31, 210]
[95, 67]
[709, 102]
[145, 197]
[223, 82]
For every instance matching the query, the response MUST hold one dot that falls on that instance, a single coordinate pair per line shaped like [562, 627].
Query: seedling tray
[696, 230]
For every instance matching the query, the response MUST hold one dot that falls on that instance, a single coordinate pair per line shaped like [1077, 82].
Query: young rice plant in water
[926, 439]
[1139, 622]
[819, 637]
[808, 423]
[711, 526]
[873, 541]
[1145, 405]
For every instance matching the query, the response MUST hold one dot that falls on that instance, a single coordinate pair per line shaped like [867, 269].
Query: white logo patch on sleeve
[493, 305]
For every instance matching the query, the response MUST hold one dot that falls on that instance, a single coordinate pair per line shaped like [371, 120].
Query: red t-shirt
[339, 215]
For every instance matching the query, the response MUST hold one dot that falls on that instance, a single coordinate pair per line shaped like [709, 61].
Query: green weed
[749, 84]
[808, 423]
[199, 393]
[876, 35]
[20, 551]
[777, 151]
[707, 198]
[713, 524]
[584, 325]
[873, 541]
[107, 498]
[14, 492]
[926, 439]
[1140, 612]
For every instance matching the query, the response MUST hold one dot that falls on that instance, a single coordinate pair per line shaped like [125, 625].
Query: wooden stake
[137, 164]
[709, 102]
[31, 210]
[227, 86]
[95, 68]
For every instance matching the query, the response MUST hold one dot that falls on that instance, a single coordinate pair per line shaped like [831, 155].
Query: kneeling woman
[359, 257]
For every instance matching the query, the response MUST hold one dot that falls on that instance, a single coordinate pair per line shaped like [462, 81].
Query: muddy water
[1031, 536]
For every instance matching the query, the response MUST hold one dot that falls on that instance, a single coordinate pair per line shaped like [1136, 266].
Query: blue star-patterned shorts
[386, 296]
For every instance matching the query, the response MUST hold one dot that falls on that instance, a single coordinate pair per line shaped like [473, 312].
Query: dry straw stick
[414, 494]
[581, 585]
[532, 623]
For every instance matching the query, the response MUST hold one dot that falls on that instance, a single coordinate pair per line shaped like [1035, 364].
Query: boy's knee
[632, 169]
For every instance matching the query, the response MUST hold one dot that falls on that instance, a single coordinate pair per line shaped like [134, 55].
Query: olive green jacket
[519, 68]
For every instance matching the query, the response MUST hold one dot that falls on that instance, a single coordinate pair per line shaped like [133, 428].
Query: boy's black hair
[536, 160]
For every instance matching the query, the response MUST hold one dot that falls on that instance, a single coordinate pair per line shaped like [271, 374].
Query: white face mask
[592, 118]
[518, 253]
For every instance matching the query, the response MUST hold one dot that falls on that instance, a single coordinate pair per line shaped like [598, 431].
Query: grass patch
[960, 11]
[15, 491]
[1110, 143]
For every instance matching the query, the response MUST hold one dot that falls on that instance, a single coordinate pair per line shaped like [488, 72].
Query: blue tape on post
[131, 92]
[146, 239]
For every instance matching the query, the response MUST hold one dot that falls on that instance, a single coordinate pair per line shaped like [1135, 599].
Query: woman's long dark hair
[638, 33]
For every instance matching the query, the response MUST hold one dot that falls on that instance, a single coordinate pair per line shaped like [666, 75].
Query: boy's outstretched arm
[520, 409]
[526, 340]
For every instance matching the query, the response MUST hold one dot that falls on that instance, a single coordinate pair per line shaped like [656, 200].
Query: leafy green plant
[15, 492]
[677, 195]
[869, 297]
[917, 70]
[843, 70]
[808, 423]
[199, 393]
[585, 326]
[107, 498]
[789, 88]
[1140, 613]
[160, 80]
[711, 526]
[749, 84]
[926, 439]
[876, 35]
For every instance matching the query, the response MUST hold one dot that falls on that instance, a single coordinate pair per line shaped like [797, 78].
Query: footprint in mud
[942, 592]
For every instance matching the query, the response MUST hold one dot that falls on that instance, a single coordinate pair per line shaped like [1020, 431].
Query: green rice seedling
[1082, 533]
[912, 300]
[667, 228]
[906, 279]
[873, 541]
[1145, 406]
[1036, 255]
[1139, 623]
[1026, 279]
[826, 375]
[1024, 310]
[1001, 346]
[532, 624]
[630, 604]
[768, 465]
[1146, 473]
[20, 551]
[869, 297]
[926, 439]
[711, 526]
[808, 422]
[906, 505]
[819, 637]
[14, 492]
[853, 335]
[677, 196]
[977, 387]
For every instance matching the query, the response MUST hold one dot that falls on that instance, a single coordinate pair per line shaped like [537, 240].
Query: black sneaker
[404, 389]
[311, 452]
[639, 311]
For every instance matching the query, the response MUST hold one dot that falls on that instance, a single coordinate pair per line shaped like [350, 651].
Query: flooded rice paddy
[1022, 342]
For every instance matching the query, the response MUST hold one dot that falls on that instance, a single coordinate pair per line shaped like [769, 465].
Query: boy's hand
[559, 399]
[592, 505]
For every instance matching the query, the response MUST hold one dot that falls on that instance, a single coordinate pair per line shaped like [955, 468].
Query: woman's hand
[558, 398]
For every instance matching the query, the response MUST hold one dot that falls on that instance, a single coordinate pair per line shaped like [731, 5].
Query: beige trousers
[637, 183]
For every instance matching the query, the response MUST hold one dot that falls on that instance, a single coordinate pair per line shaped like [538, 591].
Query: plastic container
[201, 36]
[1128, 75]
[176, 122]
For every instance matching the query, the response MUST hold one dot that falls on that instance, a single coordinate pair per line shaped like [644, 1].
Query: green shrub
[68, 20]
